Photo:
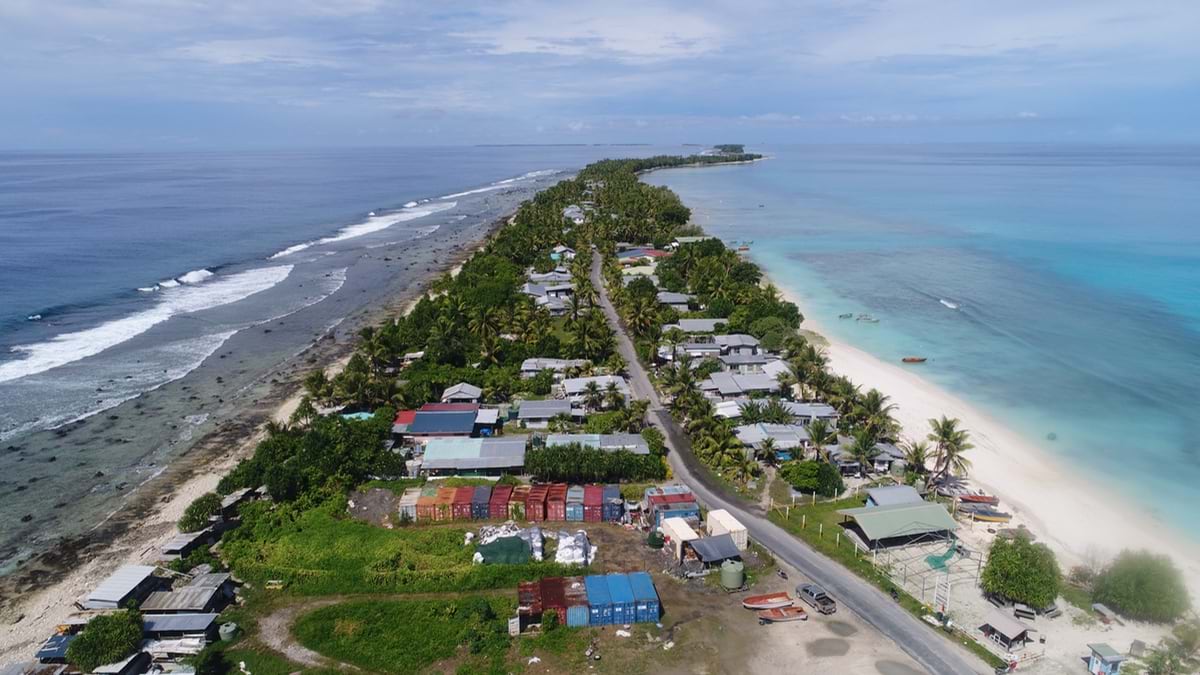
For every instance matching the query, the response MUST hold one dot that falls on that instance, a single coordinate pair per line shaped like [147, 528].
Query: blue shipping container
[623, 604]
[614, 504]
[599, 601]
[683, 510]
[577, 616]
[646, 597]
[575, 511]
[480, 502]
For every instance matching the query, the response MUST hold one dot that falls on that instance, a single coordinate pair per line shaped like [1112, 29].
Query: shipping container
[516, 502]
[427, 507]
[535, 504]
[498, 505]
[614, 503]
[445, 503]
[481, 502]
[593, 503]
[462, 503]
[685, 510]
[721, 522]
[408, 503]
[577, 601]
[599, 601]
[529, 599]
[667, 490]
[645, 596]
[556, 502]
[677, 532]
[623, 606]
[575, 503]
[554, 598]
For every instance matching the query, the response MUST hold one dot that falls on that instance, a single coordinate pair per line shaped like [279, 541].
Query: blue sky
[270, 73]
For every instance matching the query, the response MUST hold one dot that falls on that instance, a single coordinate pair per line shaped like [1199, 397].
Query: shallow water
[1058, 288]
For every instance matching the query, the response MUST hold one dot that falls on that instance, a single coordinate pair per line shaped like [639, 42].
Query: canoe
[768, 601]
[979, 499]
[990, 516]
[914, 359]
[782, 614]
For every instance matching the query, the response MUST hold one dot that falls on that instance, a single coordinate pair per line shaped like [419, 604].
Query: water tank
[227, 631]
[733, 574]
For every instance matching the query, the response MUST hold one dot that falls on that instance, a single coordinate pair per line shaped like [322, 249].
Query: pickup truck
[816, 597]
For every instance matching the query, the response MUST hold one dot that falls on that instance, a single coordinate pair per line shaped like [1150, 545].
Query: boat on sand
[991, 516]
[979, 499]
[768, 601]
[782, 614]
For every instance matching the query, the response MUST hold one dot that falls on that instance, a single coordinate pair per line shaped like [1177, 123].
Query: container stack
[672, 501]
[529, 602]
[556, 502]
[575, 495]
[578, 611]
[461, 508]
[721, 522]
[595, 600]
[427, 503]
[614, 504]
[645, 596]
[481, 502]
[624, 607]
[498, 504]
[445, 503]
[535, 505]
[599, 601]
[408, 503]
[554, 598]
[593, 503]
[516, 502]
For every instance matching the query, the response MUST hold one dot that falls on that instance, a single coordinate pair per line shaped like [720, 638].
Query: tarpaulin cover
[505, 551]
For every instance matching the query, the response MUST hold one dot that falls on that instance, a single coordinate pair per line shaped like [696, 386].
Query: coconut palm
[949, 446]
[775, 412]
[318, 386]
[874, 412]
[766, 451]
[862, 448]
[821, 435]
[613, 398]
[304, 413]
[593, 397]
[916, 456]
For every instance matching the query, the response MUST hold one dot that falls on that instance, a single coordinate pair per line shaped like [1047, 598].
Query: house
[55, 649]
[473, 456]
[1005, 631]
[677, 301]
[807, 412]
[777, 370]
[574, 214]
[891, 495]
[787, 437]
[899, 524]
[130, 582]
[744, 363]
[531, 367]
[562, 290]
[180, 626]
[186, 600]
[735, 385]
[696, 350]
[561, 252]
[427, 424]
[574, 389]
[555, 306]
[737, 343]
[138, 663]
[558, 275]
[611, 442]
[537, 414]
[637, 256]
[462, 393]
[887, 457]
[680, 241]
[487, 422]
[1104, 660]
[693, 326]
[636, 271]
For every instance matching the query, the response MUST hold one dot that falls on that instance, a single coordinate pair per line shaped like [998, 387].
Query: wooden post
[803, 520]
[837, 540]
[814, 501]
[787, 512]
[821, 530]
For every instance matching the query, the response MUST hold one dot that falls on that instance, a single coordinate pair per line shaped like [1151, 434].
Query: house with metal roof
[807, 412]
[676, 301]
[531, 367]
[139, 662]
[184, 543]
[1104, 659]
[737, 343]
[575, 388]
[428, 424]
[130, 582]
[176, 626]
[561, 252]
[558, 275]
[786, 437]
[693, 326]
[890, 495]
[744, 364]
[537, 414]
[611, 442]
[1005, 631]
[697, 351]
[186, 600]
[462, 392]
[473, 456]
[899, 524]
[737, 385]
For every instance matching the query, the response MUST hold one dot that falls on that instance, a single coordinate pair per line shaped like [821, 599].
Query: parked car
[817, 598]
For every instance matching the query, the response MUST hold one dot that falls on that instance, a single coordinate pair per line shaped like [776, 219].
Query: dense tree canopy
[1023, 571]
[1143, 585]
[108, 638]
[812, 476]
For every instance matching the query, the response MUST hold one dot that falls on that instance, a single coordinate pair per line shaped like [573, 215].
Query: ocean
[1055, 287]
[146, 298]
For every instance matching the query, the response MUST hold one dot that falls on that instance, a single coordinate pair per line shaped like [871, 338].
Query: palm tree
[318, 386]
[743, 469]
[874, 412]
[786, 382]
[613, 398]
[304, 413]
[949, 445]
[821, 435]
[863, 450]
[916, 456]
[593, 398]
[775, 412]
[766, 451]
[636, 415]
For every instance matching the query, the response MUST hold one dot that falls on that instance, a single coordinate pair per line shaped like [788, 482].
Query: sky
[149, 74]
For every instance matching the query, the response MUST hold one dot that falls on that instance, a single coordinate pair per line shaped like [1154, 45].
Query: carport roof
[901, 520]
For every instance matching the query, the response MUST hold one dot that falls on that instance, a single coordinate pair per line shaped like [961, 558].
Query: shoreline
[1058, 505]
[42, 593]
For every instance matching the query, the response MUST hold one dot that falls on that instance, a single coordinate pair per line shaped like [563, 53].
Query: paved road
[937, 654]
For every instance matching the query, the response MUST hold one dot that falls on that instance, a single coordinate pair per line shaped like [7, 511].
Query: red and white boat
[768, 601]
[782, 614]
[979, 499]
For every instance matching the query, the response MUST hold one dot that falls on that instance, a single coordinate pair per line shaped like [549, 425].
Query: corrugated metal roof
[55, 647]
[474, 453]
[577, 385]
[487, 416]
[544, 409]
[443, 422]
[462, 390]
[643, 586]
[619, 589]
[210, 580]
[894, 494]
[901, 520]
[118, 586]
[193, 598]
[716, 549]
[1005, 625]
[178, 623]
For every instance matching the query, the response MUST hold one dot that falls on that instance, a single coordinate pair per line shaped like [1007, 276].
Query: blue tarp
[443, 422]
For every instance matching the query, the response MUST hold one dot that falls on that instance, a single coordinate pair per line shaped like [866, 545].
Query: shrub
[1021, 570]
[195, 516]
[1143, 585]
[106, 639]
[812, 476]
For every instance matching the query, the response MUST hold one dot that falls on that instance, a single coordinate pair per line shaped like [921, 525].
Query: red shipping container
[427, 507]
[593, 503]
[529, 599]
[462, 503]
[498, 506]
[556, 503]
[445, 503]
[554, 598]
[535, 506]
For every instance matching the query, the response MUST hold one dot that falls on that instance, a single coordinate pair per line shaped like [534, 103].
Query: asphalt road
[935, 653]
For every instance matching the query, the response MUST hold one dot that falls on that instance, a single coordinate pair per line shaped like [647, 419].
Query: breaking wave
[501, 184]
[373, 223]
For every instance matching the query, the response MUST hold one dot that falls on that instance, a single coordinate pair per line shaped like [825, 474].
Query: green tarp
[505, 551]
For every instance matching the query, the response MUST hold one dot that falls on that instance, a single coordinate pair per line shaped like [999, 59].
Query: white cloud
[1027, 115]
[281, 51]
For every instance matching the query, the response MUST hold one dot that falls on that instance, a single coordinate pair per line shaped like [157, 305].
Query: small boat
[947, 304]
[768, 601]
[991, 516]
[979, 499]
[743, 248]
[914, 359]
[845, 316]
[782, 614]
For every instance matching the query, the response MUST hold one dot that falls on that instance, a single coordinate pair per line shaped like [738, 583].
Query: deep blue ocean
[1056, 287]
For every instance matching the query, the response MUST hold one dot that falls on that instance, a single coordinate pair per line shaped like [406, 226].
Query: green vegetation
[1021, 570]
[576, 463]
[813, 476]
[196, 515]
[108, 638]
[406, 636]
[319, 551]
[1143, 585]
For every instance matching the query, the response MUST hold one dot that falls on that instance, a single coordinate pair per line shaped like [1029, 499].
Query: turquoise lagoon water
[1070, 277]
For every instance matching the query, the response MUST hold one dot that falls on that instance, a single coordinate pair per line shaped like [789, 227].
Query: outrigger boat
[979, 499]
[991, 516]
[782, 614]
[768, 601]
[914, 359]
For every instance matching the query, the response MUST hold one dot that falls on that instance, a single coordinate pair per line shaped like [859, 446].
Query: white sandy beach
[1066, 508]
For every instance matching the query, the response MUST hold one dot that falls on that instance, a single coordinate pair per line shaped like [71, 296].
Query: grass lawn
[266, 662]
[825, 513]
[323, 552]
[406, 636]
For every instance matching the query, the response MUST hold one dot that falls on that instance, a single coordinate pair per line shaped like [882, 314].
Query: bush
[1021, 570]
[196, 516]
[1143, 585]
[106, 639]
[812, 476]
